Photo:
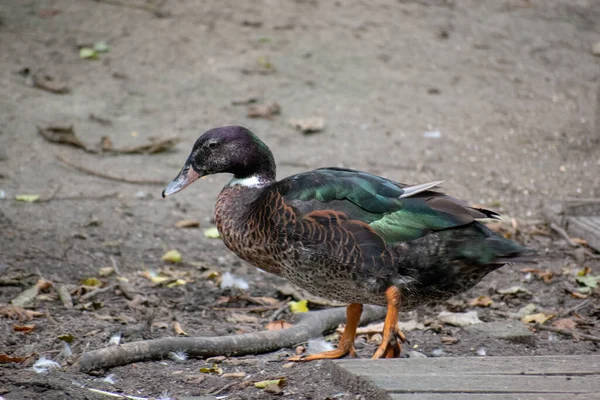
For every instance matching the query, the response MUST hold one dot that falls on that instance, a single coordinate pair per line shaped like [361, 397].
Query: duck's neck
[255, 181]
[258, 170]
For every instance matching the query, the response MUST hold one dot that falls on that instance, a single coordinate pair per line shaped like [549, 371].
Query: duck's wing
[395, 211]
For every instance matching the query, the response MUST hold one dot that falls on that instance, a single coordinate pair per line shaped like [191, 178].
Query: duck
[346, 235]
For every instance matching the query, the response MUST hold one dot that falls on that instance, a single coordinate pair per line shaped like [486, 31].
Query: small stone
[438, 353]
[515, 332]
[459, 319]
[596, 49]
[273, 389]
[416, 354]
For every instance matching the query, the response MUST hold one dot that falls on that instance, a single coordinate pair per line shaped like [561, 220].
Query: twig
[575, 308]
[246, 309]
[564, 234]
[312, 324]
[96, 292]
[591, 255]
[279, 311]
[156, 11]
[65, 296]
[115, 266]
[109, 177]
[566, 332]
[224, 388]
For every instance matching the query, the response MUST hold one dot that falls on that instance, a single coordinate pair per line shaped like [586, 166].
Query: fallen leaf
[49, 84]
[178, 329]
[215, 369]
[67, 337]
[24, 328]
[263, 110]
[87, 53]
[278, 325]
[212, 233]
[539, 318]
[101, 47]
[20, 313]
[106, 271]
[579, 241]
[187, 223]
[178, 282]
[263, 384]
[459, 319]
[28, 296]
[91, 282]
[578, 295]
[584, 271]
[565, 323]
[156, 145]
[587, 281]
[265, 63]
[62, 134]
[308, 125]
[234, 375]
[27, 198]
[172, 256]
[5, 359]
[242, 318]
[514, 290]
[545, 275]
[449, 340]
[298, 306]
[481, 301]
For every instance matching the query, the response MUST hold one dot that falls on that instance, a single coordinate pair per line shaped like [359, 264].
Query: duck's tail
[482, 246]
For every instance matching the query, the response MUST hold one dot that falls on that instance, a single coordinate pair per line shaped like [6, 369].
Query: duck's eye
[212, 145]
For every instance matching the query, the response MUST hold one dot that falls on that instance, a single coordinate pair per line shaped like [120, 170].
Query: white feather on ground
[318, 346]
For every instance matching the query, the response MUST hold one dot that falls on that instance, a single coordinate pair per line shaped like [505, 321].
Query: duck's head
[231, 149]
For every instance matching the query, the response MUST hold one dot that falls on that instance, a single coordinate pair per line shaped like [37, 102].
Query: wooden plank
[515, 365]
[495, 377]
[486, 383]
[585, 227]
[492, 396]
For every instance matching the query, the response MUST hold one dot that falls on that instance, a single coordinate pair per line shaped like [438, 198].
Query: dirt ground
[509, 85]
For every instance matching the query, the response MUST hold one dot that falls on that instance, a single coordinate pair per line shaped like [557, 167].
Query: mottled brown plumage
[344, 234]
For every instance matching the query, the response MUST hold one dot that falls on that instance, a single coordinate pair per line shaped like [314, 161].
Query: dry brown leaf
[28, 296]
[50, 84]
[481, 301]
[263, 110]
[178, 329]
[63, 134]
[449, 340]
[156, 145]
[24, 328]
[5, 359]
[308, 125]
[15, 312]
[579, 241]
[539, 318]
[578, 295]
[234, 375]
[261, 301]
[565, 323]
[187, 223]
[545, 275]
[278, 325]
[242, 318]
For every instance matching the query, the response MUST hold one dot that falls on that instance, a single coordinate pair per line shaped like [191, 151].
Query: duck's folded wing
[395, 211]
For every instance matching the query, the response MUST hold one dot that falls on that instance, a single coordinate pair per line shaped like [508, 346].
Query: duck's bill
[185, 178]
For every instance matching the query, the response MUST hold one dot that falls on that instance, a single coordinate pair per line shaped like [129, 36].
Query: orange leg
[346, 343]
[391, 344]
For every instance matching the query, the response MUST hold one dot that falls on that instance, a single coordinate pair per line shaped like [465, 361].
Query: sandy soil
[509, 85]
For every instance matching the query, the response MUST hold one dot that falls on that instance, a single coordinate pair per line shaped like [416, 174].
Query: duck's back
[349, 235]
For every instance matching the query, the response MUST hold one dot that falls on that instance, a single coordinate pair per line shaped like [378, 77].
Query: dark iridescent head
[231, 149]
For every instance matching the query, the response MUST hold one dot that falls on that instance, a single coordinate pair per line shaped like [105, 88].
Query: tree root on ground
[311, 325]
